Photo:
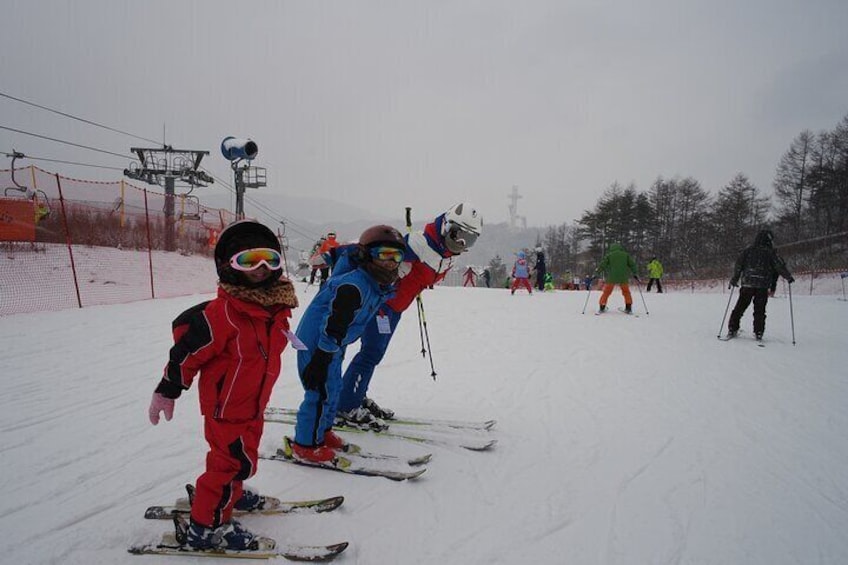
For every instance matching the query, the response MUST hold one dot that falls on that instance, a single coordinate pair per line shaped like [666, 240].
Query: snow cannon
[236, 149]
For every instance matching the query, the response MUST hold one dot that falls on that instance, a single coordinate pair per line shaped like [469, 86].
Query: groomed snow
[622, 440]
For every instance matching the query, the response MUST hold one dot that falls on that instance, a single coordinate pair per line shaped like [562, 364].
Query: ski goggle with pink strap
[251, 259]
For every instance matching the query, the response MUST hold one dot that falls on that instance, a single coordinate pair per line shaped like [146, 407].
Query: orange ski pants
[625, 290]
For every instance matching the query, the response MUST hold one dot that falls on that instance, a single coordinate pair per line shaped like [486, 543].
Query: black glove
[315, 373]
[733, 282]
[791, 279]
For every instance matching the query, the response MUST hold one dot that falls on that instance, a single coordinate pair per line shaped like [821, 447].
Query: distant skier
[758, 266]
[315, 259]
[429, 256]
[540, 268]
[655, 272]
[487, 277]
[329, 244]
[469, 275]
[234, 342]
[521, 274]
[618, 266]
[337, 317]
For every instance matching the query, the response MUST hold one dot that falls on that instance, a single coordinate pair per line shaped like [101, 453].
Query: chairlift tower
[163, 166]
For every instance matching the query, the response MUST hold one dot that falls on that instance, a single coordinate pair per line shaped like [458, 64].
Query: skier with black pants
[758, 267]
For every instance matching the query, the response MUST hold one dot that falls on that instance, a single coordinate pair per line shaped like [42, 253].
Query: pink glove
[160, 404]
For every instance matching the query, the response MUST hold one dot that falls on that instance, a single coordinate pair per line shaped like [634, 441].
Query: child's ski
[182, 506]
[174, 544]
[349, 464]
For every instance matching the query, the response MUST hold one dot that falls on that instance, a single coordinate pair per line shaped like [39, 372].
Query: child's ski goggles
[251, 259]
[387, 254]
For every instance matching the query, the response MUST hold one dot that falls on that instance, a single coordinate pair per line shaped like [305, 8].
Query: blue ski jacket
[339, 312]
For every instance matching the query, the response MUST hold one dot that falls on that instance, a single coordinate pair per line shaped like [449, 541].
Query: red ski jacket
[236, 346]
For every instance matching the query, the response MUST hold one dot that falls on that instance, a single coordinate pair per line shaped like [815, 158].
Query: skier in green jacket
[655, 271]
[618, 266]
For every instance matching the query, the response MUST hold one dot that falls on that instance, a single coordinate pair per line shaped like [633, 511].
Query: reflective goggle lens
[251, 259]
[387, 254]
[463, 237]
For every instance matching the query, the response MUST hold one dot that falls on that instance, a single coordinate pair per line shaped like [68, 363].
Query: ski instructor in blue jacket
[335, 318]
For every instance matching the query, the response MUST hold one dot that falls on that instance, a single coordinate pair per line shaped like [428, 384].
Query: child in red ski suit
[234, 342]
[521, 274]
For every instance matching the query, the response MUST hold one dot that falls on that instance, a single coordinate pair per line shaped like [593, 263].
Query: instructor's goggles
[251, 259]
[387, 254]
[462, 237]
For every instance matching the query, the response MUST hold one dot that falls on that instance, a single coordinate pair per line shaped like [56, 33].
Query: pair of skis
[356, 461]
[471, 435]
[622, 310]
[173, 543]
[728, 337]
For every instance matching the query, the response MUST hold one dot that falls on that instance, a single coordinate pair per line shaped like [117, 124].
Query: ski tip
[416, 474]
[330, 504]
[422, 460]
[315, 554]
[482, 446]
[156, 513]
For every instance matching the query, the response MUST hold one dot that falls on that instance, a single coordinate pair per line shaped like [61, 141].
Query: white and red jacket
[236, 346]
[427, 262]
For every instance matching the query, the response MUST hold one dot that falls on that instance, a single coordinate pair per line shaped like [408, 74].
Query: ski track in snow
[620, 441]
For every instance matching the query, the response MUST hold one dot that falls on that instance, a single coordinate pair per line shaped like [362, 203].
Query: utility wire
[4, 95]
[263, 208]
[305, 232]
[31, 158]
[66, 142]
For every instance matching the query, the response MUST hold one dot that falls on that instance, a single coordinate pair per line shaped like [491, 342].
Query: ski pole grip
[409, 217]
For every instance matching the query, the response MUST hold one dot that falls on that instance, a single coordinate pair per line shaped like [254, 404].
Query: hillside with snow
[621, 440]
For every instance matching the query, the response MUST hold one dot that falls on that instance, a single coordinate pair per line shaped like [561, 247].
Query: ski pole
[729, 298]
[588, 294]
[422, 319]
[791, 315]
[639, 286]
[418, 303]
[427, 336]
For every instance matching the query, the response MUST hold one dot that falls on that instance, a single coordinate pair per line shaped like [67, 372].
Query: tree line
[696, 234]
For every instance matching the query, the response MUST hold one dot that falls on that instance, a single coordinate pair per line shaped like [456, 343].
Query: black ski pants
[652, 281]
[746, 295]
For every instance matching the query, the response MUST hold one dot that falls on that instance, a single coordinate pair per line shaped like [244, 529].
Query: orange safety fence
[67, 242]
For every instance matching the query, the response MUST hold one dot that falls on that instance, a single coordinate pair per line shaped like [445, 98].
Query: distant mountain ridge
[308, 218]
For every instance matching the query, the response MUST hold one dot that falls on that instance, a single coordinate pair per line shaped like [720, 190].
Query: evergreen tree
[497, 272]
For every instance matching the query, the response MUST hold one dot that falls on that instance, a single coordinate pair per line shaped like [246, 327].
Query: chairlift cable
[3, 94]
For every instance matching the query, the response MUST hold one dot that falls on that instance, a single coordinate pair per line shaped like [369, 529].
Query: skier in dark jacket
[540, 268]
[758, 267]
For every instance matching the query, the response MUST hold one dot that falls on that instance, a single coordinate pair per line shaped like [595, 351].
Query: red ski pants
[232, 458]
[516, 282]
[625, 290]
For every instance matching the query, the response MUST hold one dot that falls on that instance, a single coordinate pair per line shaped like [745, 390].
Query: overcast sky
[386, 104]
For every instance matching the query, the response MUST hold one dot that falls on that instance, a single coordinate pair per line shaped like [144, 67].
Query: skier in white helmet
[430, 254]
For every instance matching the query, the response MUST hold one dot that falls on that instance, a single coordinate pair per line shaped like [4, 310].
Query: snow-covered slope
[622, 440]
